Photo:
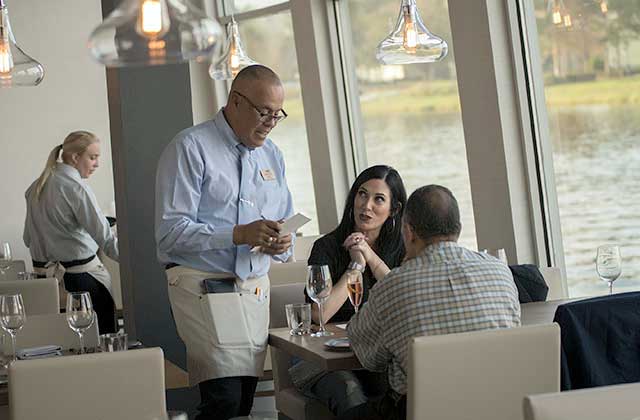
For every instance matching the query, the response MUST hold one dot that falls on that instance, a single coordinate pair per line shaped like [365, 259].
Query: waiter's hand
[259, 233]
[278, 246]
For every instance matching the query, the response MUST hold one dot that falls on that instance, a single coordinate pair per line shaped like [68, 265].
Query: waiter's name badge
[268, 175]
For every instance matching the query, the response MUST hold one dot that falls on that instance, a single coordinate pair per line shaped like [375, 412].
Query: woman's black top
[329, 251]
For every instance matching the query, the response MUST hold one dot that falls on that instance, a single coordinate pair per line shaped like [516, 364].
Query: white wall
[72, 96]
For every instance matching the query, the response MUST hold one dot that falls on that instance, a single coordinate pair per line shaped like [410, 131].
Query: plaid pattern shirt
[446, 289]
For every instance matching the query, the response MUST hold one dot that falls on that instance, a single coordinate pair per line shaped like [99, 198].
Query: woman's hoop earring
[393, 224]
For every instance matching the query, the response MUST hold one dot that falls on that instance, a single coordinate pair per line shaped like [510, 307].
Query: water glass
[12, 317]
[5, 257]
[319, 288]
[298, 318]
[80, 314]
[609, 264]
[113, 342]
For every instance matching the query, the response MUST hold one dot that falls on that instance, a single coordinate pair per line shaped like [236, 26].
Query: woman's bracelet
[353, 265]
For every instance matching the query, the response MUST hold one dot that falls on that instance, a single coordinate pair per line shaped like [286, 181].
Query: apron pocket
[188, 316]
[257, 315]
[227, 317]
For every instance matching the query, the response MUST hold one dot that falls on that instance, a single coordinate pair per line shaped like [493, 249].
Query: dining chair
[481, 375]
[126, 385]
[600, 341]
[553, 278]
[614, 402]
[288, 272]
[11, 274]
[41, 330]
[303, 246]
[40, 296]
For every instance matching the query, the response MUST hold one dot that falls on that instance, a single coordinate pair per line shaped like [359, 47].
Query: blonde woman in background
[64, 227]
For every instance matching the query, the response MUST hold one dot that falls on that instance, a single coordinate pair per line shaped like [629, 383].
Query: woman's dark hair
[389, 244]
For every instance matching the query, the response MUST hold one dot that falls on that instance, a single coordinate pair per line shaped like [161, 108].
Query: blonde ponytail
[48, 169]
[75, 143]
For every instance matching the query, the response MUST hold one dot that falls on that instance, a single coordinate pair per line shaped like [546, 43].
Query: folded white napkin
[37, 352]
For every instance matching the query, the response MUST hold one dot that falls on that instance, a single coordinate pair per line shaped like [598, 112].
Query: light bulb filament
[604, 7]
[234, 61]
[152, 21]
[410, 34]
[6, 58]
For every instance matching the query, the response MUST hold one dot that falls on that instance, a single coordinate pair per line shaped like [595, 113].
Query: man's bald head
[248, 76]
[432, 211]
[254, 104]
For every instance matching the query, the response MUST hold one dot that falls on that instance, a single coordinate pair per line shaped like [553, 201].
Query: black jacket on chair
[530, 283]
[600, 341]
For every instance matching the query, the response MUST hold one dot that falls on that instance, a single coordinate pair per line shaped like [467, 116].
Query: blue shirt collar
[228, 135]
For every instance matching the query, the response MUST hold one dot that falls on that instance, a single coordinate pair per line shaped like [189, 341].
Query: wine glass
[319, 288]
[5, 257]
[609, 264]
[80, 314]
[12, 317]
[354, 287]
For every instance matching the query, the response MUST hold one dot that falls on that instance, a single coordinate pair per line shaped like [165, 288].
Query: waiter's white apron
[93, 267]
[225, 333]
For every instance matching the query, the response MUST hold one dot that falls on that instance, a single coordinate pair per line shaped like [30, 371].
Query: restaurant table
[313, 348]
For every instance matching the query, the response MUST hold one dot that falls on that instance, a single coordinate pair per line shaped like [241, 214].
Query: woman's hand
[358, 246]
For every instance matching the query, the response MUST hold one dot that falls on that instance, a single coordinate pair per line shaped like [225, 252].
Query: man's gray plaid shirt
[446, 289]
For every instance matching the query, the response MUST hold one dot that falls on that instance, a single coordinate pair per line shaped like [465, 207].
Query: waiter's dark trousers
[225, 398]
[101, 299]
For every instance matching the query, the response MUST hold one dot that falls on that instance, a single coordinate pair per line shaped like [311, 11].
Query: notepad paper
[291, 225]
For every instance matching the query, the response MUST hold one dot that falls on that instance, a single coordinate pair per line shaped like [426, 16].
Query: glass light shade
[234, 57]
[154, 32]
[16, 67]
[411, 41]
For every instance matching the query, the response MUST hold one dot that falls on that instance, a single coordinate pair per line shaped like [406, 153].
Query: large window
[409, 115]
[269, 41]
[590, 56]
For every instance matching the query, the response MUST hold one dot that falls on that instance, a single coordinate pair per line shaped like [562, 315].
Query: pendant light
[234, 57]
[410, 41]
[154, 32]
[16, 67]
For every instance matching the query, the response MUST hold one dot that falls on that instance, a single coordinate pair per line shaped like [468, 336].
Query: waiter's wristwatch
[356, 266]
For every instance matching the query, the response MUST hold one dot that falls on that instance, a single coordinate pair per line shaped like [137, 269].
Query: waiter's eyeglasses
[265, 116]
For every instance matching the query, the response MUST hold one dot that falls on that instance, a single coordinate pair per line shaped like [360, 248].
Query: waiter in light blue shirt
[221, 194]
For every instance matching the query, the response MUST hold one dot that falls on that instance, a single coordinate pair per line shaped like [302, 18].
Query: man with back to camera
[220, 191]
[441, 288]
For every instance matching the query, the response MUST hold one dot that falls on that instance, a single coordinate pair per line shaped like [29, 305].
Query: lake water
[596, 160]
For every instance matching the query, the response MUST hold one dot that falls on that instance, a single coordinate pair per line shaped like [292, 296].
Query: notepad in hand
[291, 225]
[39, 352]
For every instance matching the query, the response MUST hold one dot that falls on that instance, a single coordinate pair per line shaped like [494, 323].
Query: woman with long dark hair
[368, 239]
